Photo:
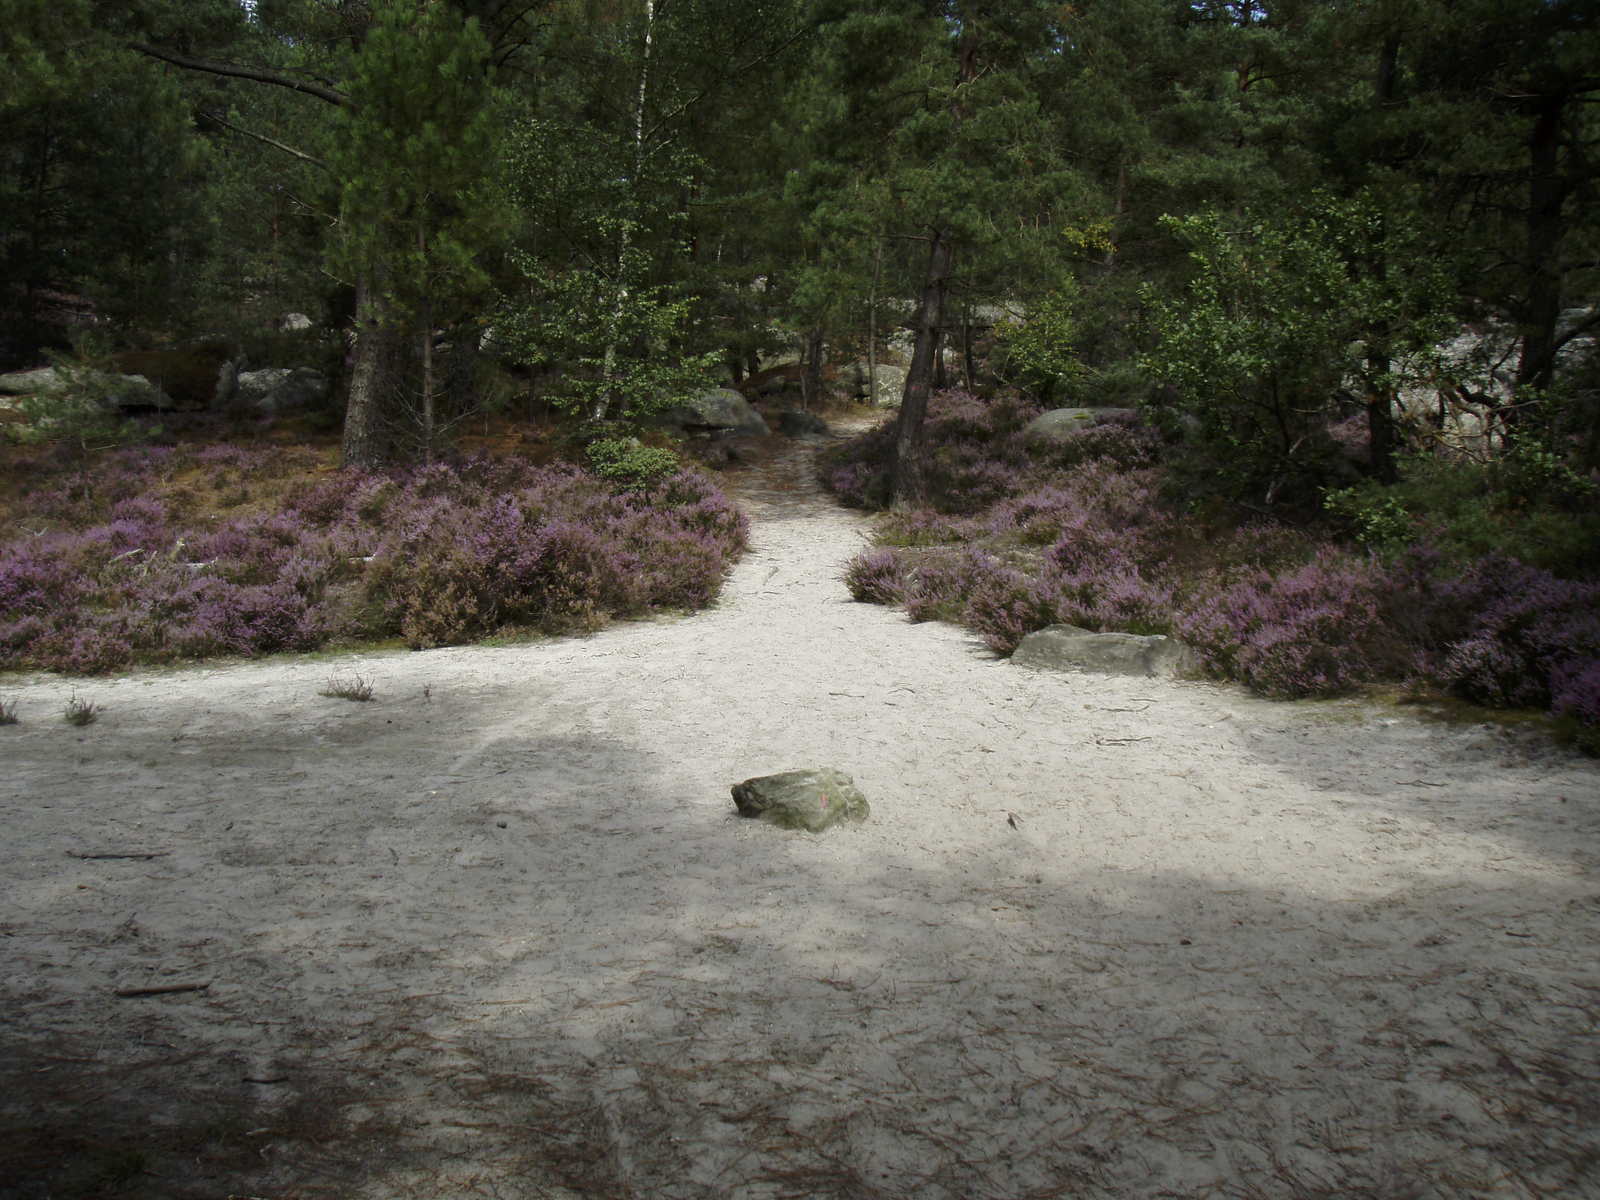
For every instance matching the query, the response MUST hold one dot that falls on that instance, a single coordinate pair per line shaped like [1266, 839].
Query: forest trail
[499, 932]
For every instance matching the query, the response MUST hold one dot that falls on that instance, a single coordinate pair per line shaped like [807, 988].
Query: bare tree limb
[261, 137]
[234, 71]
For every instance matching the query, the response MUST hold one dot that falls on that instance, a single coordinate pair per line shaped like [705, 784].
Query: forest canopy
[617, 190]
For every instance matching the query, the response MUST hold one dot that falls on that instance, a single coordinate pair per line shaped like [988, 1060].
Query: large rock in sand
[721, 412]
[1069, 648]
[811, 799]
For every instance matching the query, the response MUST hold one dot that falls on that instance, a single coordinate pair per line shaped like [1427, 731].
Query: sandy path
[498, 932]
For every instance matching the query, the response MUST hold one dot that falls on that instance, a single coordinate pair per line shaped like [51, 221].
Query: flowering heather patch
[171, 554]
[1083, 533]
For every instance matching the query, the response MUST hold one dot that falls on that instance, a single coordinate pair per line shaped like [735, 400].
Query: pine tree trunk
[872, 325]
[811, 377]
[428, 425]
[907, 486]
[366, 435]
[1545, 195]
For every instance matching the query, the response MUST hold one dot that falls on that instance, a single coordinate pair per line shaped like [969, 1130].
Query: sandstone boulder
[812, 799]
[119, 391]
[891, 383]
[720, 412]
[280, 389]
[1069, 648]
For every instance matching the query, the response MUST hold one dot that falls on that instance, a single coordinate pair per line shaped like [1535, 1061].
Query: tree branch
[234, 71]
[276, 145]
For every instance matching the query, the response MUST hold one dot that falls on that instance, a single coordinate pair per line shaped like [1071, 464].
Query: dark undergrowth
[1098, 531]
[166, 553]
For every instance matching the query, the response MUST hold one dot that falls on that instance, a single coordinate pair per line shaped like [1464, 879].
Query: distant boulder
[720, 412]
[1059, 424]
[891, 382]
[279, 389]
[120, 391]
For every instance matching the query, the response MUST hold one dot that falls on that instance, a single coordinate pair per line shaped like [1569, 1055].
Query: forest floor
[497, 931]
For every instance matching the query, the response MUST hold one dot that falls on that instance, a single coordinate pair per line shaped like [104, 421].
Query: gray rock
[43, 382]
[121, 391]
[721, 412]
[296, 321]
[797, 423]
[891, 382]
[811, 799]
[1061, 423]
[227, 383]
[1069, 648]
[279, 389]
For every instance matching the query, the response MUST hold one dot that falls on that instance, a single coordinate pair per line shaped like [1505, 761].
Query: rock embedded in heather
[812, 799]
[798, 423]
[1061, 423]
[1069, 648]
[120, 391]
[279, 389]
[720, 412]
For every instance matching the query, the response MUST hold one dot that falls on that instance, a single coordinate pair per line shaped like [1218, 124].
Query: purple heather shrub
[942, 583]
[880, 576]
[1575, 691]
[443, 553]
[1261, 602]
[1317, 631]
[1511, 631]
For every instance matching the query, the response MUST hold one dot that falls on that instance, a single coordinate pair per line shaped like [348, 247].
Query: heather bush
[132, 569]
[877, 575]
[1091, 533]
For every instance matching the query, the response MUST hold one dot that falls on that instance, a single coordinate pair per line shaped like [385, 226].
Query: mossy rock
[812, 799]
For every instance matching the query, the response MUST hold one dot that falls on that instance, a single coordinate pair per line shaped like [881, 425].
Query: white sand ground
[498, 931]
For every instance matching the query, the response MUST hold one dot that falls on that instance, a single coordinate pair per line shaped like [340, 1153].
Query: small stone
[812, 799]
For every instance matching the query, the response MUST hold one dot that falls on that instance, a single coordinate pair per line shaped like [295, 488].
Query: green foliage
[83, 415]
[1041, 350]
[1279, 314]
[418, 208]
[1525, 505]
[630, 464]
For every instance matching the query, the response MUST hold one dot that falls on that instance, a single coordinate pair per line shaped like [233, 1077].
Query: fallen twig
[119, 854]
[162, 989]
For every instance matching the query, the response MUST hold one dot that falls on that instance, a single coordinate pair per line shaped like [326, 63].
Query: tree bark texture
[811, 376]
[872, 325]
[1546, 192]
[907, 487]
[366, 432]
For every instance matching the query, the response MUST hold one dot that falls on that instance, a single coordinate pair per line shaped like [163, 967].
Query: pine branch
[234, 71]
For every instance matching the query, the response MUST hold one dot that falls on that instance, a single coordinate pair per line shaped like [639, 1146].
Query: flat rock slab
[1069, 648]
[811, 799]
